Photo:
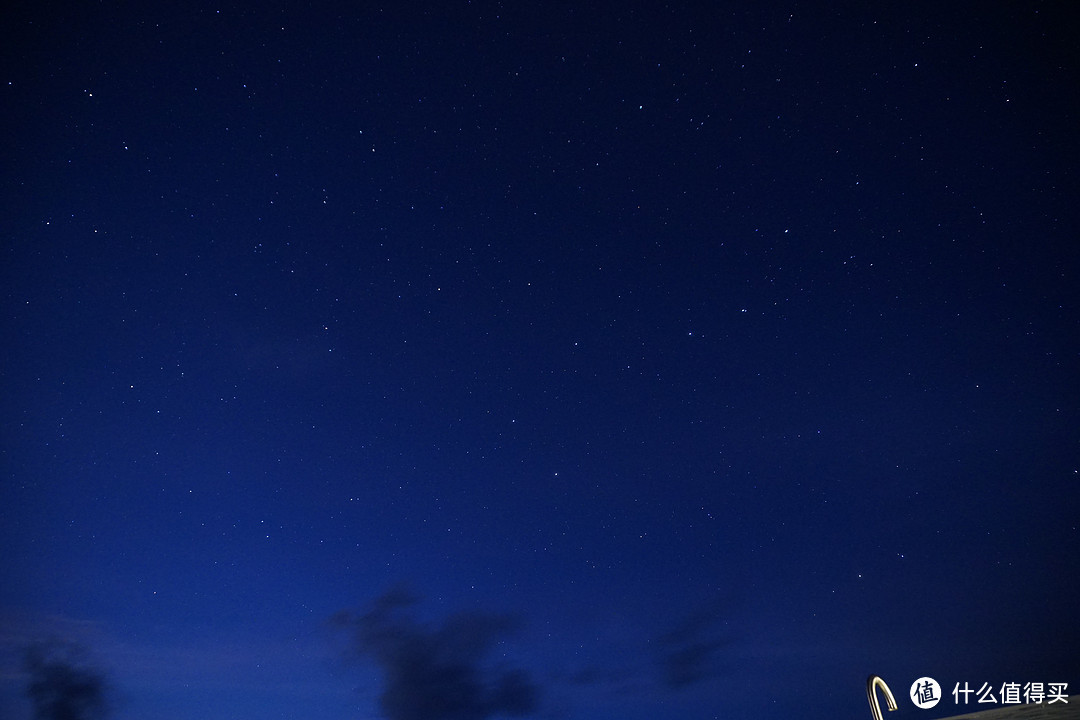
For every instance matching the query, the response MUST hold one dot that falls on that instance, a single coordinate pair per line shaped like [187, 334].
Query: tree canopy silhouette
[62, 683]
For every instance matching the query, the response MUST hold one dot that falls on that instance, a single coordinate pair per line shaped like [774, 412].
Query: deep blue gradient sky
[676, 361]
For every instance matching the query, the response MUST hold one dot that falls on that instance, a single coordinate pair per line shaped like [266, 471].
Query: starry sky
[469, 360]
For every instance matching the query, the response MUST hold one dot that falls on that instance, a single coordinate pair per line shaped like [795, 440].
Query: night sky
[574, 361]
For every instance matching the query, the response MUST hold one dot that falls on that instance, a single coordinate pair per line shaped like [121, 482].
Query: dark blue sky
[470, 360]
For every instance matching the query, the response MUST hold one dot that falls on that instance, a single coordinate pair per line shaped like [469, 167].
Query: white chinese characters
[1011, 693]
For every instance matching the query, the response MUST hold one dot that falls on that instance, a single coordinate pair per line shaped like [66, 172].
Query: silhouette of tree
[62, 684]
